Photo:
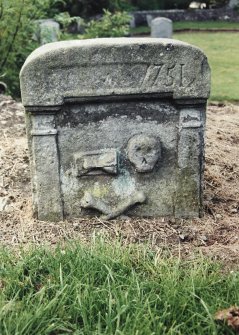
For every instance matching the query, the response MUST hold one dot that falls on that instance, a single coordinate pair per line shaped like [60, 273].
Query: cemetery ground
[137, 276]
[132, 276]
[216, 234]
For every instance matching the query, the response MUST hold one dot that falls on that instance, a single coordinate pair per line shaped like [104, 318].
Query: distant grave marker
[116, 126]
[161, 27]
[47, 31]
[149, 19]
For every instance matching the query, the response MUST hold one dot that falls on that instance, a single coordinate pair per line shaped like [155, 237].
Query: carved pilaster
[45, 164]
[188, 198]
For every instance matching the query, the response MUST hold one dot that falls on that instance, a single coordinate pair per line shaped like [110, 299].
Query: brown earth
[216, 234]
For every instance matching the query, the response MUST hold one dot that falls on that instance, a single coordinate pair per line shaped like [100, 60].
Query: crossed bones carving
[111, 212]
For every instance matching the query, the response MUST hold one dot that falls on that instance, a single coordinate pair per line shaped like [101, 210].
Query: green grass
[191, 25]
[222, 50]
[205, 25]
[111, 289]
[140, 30]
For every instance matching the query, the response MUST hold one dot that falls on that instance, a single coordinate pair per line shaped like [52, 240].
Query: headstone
[149, 19]
[116, 126]
[48, 31]
[161, 27]
[132, 21]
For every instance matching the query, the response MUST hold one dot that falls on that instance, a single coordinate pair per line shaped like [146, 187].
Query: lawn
[111, 289]
[185, 25]
[222, 50]
[224, 25]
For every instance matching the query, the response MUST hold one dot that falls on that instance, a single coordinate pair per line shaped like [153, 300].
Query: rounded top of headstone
[162, 19]
[114, 66]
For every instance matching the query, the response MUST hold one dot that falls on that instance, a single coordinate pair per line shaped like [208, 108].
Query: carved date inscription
[166, 75]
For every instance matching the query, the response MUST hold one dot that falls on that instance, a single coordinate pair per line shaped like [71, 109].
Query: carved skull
[143, 152]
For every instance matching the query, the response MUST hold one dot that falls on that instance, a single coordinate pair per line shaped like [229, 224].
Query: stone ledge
[113, 67]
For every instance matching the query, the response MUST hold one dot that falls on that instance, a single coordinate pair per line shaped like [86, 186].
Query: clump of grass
[107, 288]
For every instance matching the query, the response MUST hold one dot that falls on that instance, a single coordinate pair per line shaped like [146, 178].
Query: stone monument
[116, 126]
[161, 27]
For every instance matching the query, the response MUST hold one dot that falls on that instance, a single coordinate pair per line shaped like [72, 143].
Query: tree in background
[16, 35]
[173, 4]
[110, 25]
[17, 19]
[89, 8]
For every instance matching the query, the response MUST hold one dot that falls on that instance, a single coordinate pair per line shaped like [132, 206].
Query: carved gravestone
[116, 126]
[161, 27]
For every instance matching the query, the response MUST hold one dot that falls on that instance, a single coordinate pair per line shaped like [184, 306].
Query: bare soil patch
[216, 234]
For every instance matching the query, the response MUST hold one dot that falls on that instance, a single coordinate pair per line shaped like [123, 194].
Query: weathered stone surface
[143, 152]
[149, 19]
[161, 27]
[103, 67]
[132, 21]
[116, 126]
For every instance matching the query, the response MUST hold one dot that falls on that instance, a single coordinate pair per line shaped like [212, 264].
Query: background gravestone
[47, 31]
[161, 27]
[149, 19]
[116, 126]
[132, 21]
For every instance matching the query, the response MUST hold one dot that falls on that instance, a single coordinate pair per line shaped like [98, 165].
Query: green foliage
[85, 8]
[168, 4]
[89, 8]
[16, 35]
[121, 5]
[111, 289]
[145, 4]
[159, 4]
[110, 25]
[65, 20]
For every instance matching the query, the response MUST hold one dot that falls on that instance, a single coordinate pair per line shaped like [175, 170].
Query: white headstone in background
[162, 27]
